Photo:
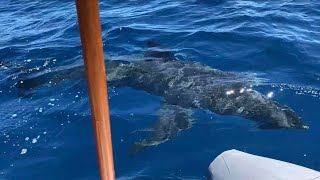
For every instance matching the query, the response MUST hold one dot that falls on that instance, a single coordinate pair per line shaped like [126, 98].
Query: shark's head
[284, 117]
[293, 120]
[268, 113]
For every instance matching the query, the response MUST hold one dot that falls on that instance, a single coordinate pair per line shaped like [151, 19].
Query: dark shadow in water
[210, 2]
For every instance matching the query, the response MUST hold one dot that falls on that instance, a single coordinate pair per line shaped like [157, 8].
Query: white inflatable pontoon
[237, 165]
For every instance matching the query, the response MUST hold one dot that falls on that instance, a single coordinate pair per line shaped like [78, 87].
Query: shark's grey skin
[185, 85]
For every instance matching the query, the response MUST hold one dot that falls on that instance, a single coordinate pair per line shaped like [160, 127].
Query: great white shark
[184, 86]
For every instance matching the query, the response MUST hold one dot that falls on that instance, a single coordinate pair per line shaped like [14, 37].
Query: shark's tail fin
[11, 67]
[4, 63]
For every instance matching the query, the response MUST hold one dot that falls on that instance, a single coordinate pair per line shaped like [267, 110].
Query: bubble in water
[23, 151]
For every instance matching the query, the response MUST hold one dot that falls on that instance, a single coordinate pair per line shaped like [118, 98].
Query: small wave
[299, 90]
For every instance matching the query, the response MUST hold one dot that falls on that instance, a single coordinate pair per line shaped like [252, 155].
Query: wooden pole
[90, 31]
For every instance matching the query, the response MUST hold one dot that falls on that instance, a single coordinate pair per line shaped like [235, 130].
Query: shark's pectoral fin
[172, 119]
[143, 130]
[118, 82]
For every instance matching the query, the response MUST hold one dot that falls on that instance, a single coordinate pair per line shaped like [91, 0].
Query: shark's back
[192, 83]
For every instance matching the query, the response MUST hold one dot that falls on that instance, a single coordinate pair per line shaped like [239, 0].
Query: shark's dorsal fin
[151, 44]
[155, 52]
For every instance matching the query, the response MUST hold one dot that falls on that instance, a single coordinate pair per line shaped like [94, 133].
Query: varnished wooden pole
[90, 30]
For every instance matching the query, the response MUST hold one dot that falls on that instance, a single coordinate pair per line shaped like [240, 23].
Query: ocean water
[47, 133]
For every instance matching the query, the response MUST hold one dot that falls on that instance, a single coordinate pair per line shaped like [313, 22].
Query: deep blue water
[48, 134]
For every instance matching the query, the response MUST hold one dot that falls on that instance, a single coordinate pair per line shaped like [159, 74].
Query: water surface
[48, 134]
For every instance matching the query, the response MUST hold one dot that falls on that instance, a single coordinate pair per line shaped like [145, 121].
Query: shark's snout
[294, 120]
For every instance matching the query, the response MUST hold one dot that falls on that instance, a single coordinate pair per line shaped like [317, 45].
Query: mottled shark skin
[185, 86]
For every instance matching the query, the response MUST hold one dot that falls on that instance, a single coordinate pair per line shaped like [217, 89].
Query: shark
[184, 86]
